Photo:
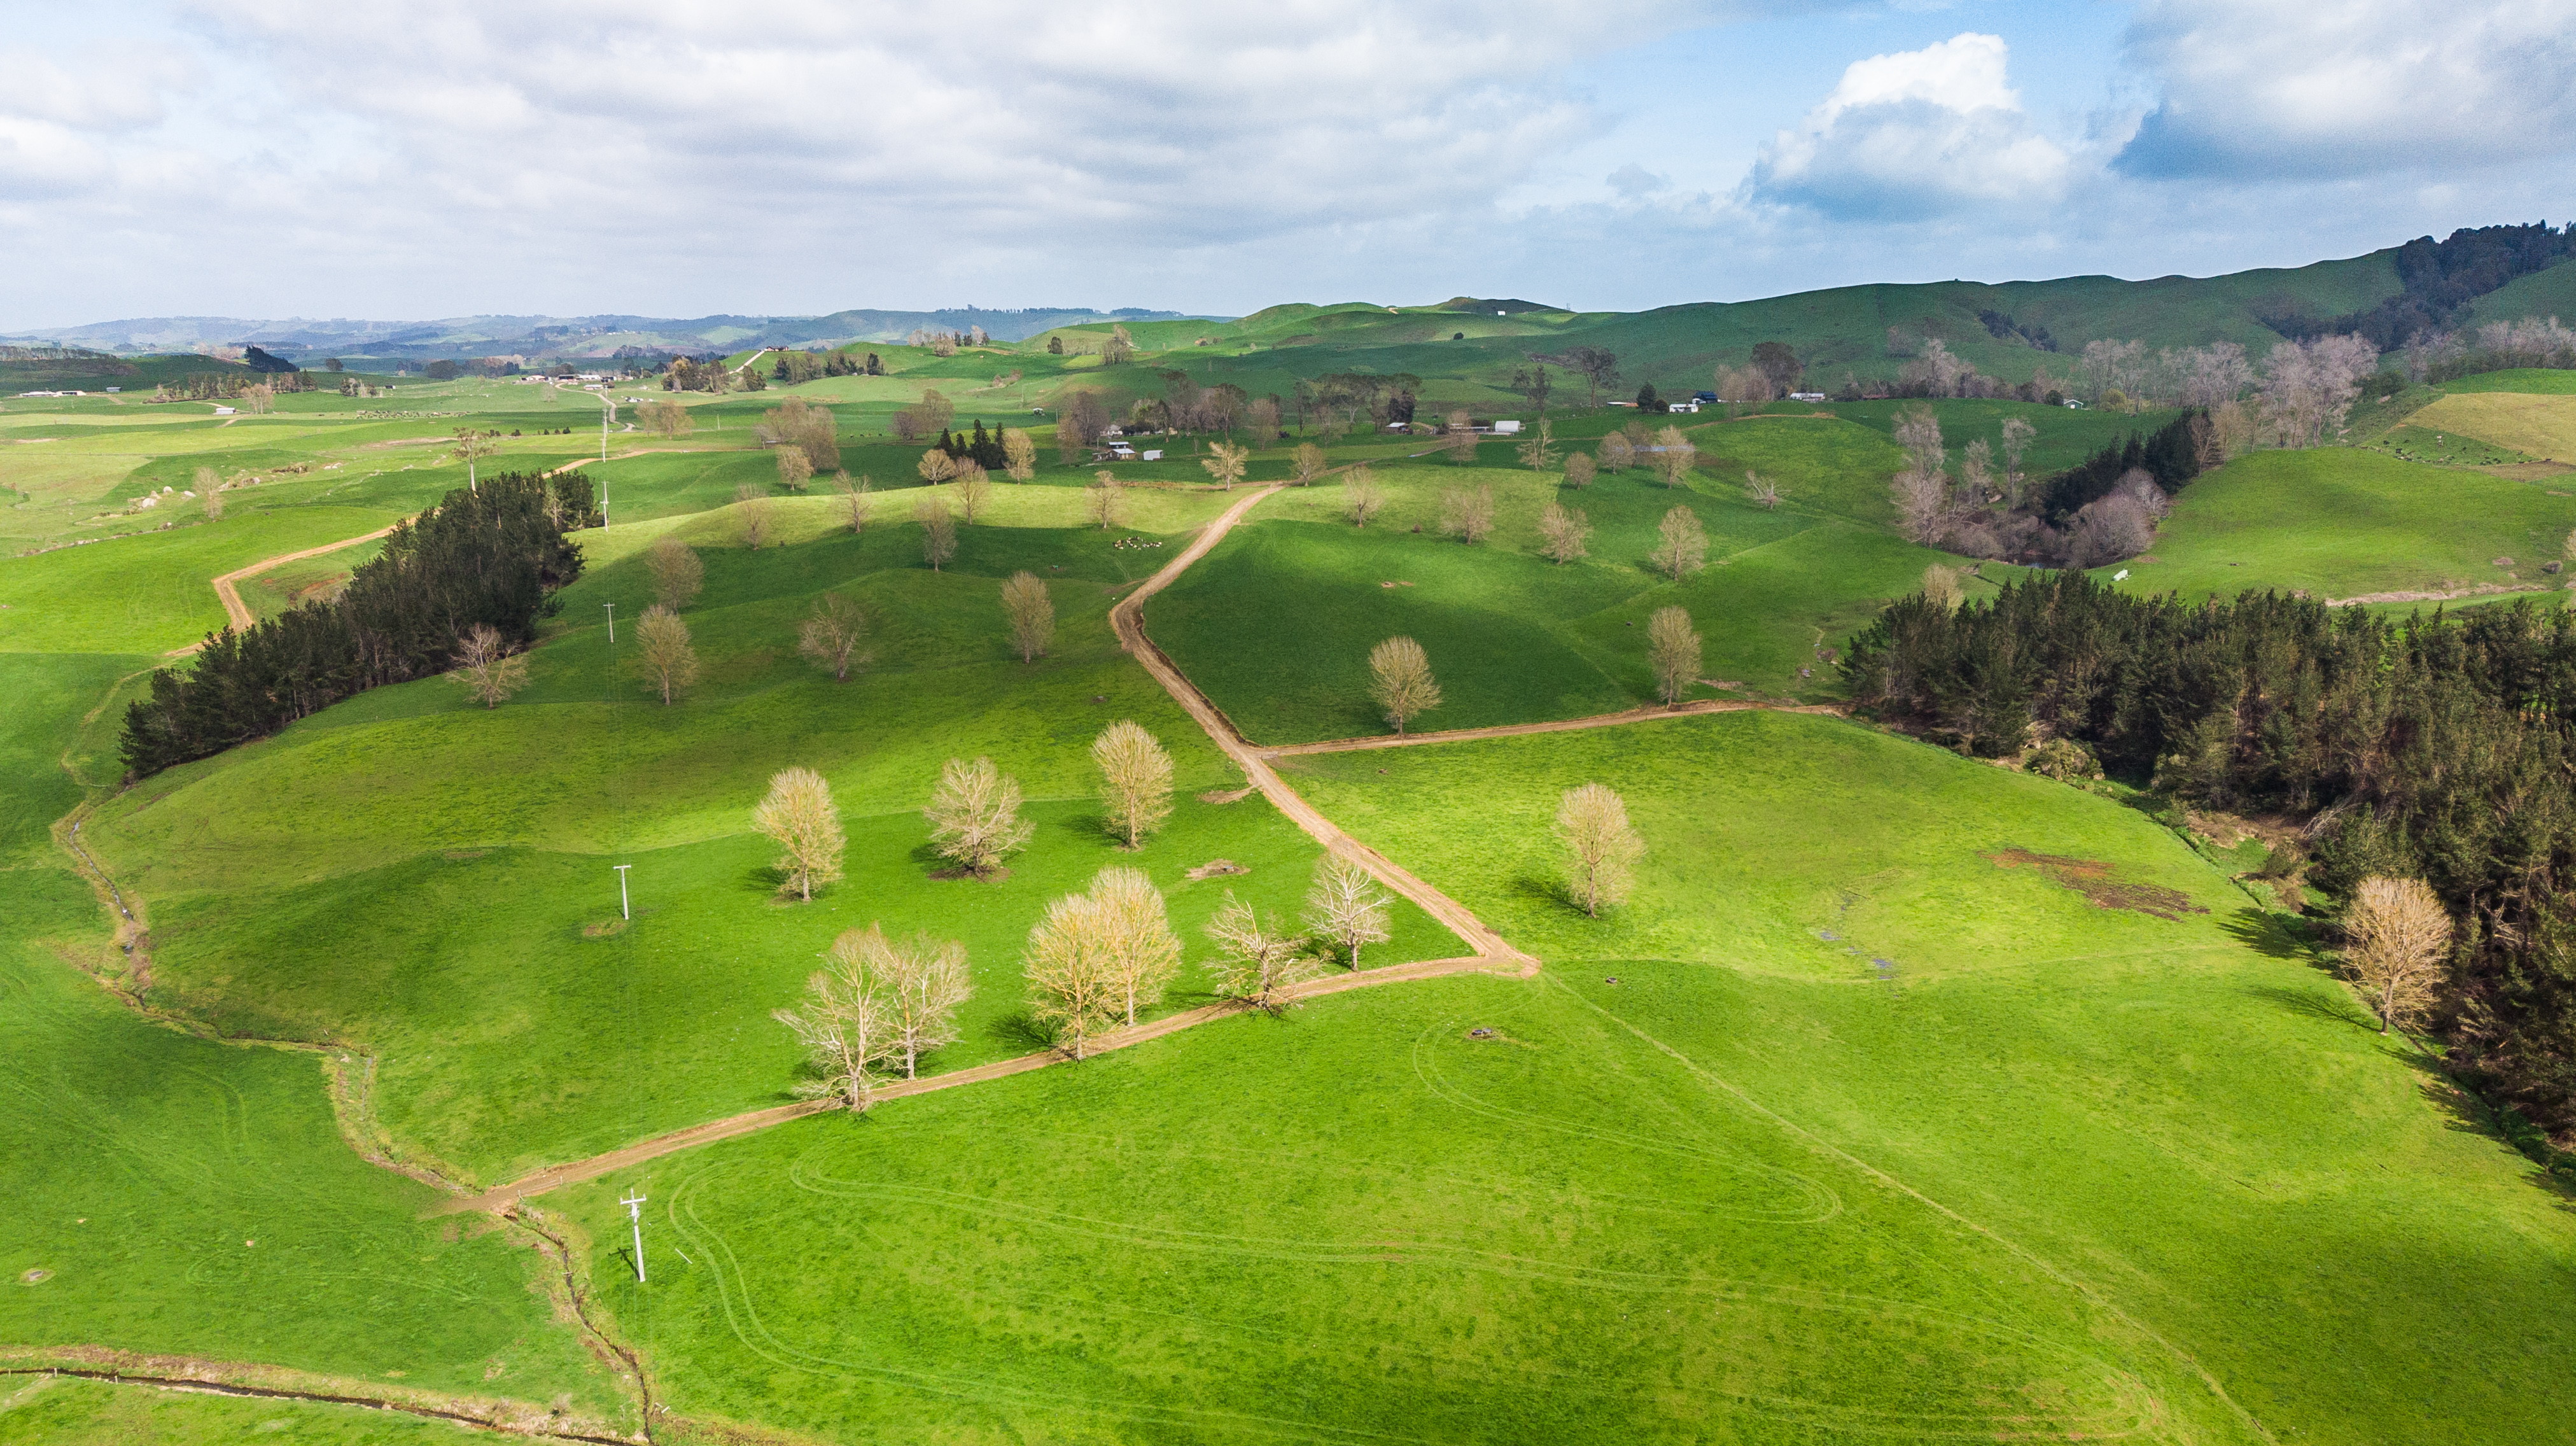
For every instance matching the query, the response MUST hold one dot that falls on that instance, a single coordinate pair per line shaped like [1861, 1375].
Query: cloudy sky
[681, 157]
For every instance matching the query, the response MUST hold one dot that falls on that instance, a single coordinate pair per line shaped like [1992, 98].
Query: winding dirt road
[237, 612]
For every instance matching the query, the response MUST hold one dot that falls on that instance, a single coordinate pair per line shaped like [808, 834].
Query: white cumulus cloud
[1913, 134]
[2354, 88]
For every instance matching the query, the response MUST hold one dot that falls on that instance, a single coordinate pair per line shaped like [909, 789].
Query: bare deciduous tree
[1255, 964]
[1918, 431]
[1681, 546]
[1019, 454]
[1673, 650]
[938, 530]
[2396, 936]
[1101, 498]
[1977, 471]
[751, 508]
[1307, 464]
[1921, 498]
[487, 668]
[1467, 515]
[1401, 681]
[1941, 586]
[798, 816]
[974, 491]
[1579, 470]
[210, 491]
[1142, 952]
[1616, 453]
[1225, 462]
[471, 447]
[1459, 438]
[794, 472]
[1345, 907]
[1072, 986]
[1135, 780]
[1031, 610]
[1600, 847]
[936, 467]
[1674, 456]
[844, 1028]
[831, 636]
[1561, 533]
[668, 418]
[1760, 491]
[676, 572]
[974, 816]
[1539, 453]
[2017, 438]
[856, 493]
[664, 653]
[1361, 498]
[918, 984]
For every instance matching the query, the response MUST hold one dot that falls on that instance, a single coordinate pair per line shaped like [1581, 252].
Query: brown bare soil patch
[37, 1276]
[2093, 880]
[1225, 795]
[458, 856]
[953, 875]
[1216, 867]
[604, 929]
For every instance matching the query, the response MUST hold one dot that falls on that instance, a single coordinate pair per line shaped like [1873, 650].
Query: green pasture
[413, 873]
[1838, 1131]
[46, 1410]
[170, 1194]
[2344, 522]
[2530, 381]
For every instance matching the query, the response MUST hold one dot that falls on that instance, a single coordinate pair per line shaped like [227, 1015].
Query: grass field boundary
[1649, 714]
[216, 1378]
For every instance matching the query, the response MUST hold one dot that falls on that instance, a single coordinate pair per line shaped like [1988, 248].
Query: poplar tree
[1135, 780]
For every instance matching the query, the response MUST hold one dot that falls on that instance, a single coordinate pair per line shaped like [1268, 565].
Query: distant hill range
[307, 341]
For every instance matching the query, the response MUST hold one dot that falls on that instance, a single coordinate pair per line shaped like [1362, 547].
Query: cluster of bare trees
[878, 1003]
[2440, 356]
[1985, 507]
[1667, 453]
[666, 418]
[930, 415]
[803, 428]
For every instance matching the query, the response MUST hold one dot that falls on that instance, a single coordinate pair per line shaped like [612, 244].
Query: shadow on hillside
[2465, 1113]
[2332, 1006]
[1019, 1033]
[2267, 935]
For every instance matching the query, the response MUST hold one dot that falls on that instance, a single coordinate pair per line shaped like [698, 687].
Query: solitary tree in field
[1539, 453]
[1307, 464]
[1072, 987]
[473, 446]
[834, 635]
[1467, 515]
[2395, 938]
[1579, 470]
[1255, 963]
[855, 494]
[1135, 780]
[1225, 462]
[1561, 532]
[794, 472]
[1345, 907]
[938, 530]
[667, 418]
[487, 668]
[664, 653]
[1019, 454]
[1616, 453]
[1759, 491]
[799, 817]
[1360, 495]
[1674, 456]
[936, 466]
[1600, 847]
[1401, 682]
[974, 491]
[676, 572]
[1140, 951]
[1681, 546]
[1032, 614]
[974, 816]
[210, 491]
[751, 506]
[1673, 649]
[1101, 498]
[1535, 386]
[845, 1029]
[918, 984]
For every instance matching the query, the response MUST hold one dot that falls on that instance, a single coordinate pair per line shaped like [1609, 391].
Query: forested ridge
[2438, 748]
[491, 556]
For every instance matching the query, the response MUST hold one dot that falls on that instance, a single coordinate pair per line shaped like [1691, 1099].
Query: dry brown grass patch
[2092, 878]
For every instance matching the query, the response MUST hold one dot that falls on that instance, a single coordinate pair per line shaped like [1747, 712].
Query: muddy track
[1561, 725]
[224, 1378]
